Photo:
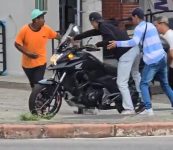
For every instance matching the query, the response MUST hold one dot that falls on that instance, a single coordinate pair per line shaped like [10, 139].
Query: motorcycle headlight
[54, 58]
[70, 56]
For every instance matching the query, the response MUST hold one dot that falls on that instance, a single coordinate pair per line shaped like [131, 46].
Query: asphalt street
[142, 143]
[14, 103]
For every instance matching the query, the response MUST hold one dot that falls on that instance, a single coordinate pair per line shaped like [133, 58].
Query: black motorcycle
[81, 80]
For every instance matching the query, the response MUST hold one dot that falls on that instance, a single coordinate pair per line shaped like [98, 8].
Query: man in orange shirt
[31, 42]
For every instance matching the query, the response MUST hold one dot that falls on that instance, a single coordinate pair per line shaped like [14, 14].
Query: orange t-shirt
[34, 42]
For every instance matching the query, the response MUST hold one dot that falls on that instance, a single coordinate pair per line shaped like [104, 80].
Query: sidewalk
[14, 93]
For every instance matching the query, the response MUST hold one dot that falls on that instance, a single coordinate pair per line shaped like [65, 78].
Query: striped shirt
[152, 48]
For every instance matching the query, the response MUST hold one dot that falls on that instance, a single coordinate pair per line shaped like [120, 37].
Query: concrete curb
[15, 131]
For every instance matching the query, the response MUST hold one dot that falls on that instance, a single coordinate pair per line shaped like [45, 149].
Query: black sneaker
[139, 107]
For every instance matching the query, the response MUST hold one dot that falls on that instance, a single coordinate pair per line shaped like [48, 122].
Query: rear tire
[39, 101]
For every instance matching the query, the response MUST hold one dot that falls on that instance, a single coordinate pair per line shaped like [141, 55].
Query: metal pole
[78, 12]
[63, 2]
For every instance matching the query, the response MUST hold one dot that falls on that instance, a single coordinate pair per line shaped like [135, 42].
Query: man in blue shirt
[154, 57]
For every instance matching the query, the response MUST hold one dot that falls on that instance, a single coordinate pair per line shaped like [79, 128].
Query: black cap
[95, 16]
[138, 12]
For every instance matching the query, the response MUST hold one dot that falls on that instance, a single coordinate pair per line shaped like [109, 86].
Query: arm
[86, 34]
[171, 54]
[58, 36]
[107, 35]
[110, 32]
[102, 43]
[52, 34]
[169, 39]
[138, 34]
[23, 50]
[19, 43]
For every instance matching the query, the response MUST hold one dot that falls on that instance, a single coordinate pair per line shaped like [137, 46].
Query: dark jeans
[170, 77]
[35, 74]
[158, 70]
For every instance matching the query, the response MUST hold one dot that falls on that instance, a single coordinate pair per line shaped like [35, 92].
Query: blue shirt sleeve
[138, 34]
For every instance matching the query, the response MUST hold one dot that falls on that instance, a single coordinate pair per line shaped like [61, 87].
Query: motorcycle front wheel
[42, 103]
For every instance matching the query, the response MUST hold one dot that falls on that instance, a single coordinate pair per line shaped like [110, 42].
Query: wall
[111, 9]
[16, 13]
[118, 10]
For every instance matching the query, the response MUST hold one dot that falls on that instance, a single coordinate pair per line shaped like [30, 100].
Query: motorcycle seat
[110, 69]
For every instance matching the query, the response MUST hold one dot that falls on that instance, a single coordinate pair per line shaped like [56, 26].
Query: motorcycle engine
[92, 97]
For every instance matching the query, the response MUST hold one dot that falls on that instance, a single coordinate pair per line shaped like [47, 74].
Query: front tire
[39, 101]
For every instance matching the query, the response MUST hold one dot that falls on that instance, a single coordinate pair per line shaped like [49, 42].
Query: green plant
[29, 117]
[48, 116]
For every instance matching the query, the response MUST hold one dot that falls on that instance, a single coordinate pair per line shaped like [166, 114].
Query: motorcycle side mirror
[76, 29]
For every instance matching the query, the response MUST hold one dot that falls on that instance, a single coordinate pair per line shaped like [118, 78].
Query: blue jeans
[158, 70]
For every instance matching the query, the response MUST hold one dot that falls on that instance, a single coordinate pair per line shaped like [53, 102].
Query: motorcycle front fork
[58, 86]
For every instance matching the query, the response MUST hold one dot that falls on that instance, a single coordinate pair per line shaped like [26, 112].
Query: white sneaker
[128, 112]
[148, 112]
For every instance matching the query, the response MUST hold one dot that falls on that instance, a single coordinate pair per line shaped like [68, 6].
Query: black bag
[141, 45]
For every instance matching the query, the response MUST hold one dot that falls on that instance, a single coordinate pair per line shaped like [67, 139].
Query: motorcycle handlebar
[90, 48]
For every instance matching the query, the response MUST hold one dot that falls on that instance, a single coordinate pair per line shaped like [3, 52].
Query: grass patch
[48, 117]
[31, 117]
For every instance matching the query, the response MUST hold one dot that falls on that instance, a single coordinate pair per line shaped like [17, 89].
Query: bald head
[162, 24]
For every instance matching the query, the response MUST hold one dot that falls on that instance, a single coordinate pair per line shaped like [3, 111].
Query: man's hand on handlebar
[75, 43]
[92, 47]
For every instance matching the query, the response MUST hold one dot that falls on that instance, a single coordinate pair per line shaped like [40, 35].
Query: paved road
[13, 103]
[142, 143]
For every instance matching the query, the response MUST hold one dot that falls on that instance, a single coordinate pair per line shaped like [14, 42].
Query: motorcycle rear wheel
[39, 103]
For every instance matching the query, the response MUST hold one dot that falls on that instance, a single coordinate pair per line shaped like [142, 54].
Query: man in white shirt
[162, 26]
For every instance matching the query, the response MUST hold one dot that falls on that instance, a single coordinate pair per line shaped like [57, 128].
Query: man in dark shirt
[107, 30]
[128, 58]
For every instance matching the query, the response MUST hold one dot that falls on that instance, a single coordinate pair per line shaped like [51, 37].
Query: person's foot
[128, 112]
[140, 107]
[148, 112]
